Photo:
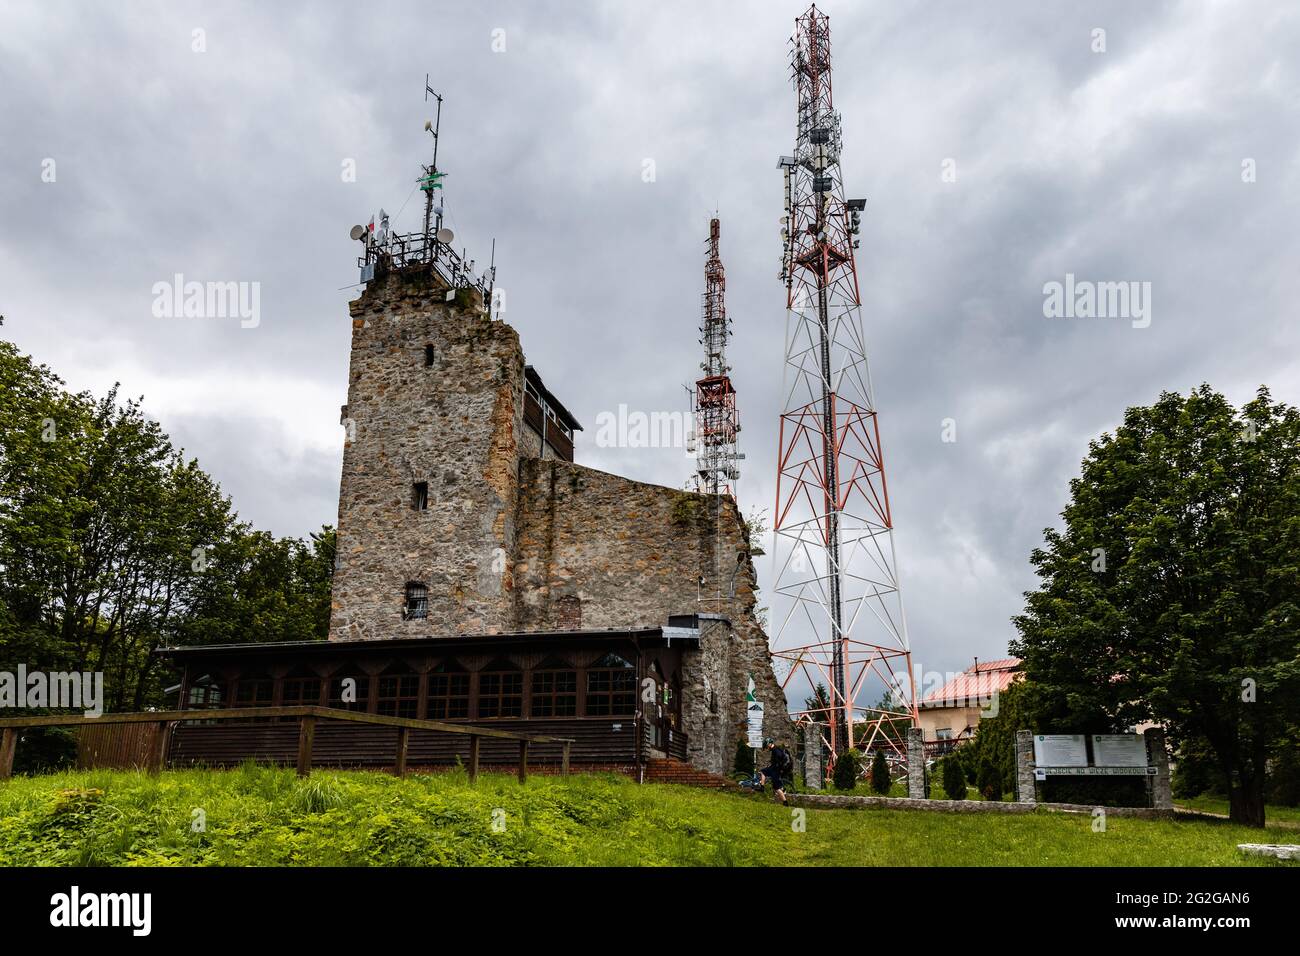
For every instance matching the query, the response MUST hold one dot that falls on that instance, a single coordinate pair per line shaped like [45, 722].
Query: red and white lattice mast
[717, 421]
[837, 570]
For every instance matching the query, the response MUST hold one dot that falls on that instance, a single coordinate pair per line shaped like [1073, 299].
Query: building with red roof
[950, 714]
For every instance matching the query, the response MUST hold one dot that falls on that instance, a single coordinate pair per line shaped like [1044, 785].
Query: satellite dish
[446, 235]
[357, 232]
[428, 125]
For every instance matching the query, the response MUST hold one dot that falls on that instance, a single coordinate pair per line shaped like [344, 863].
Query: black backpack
[783, 762]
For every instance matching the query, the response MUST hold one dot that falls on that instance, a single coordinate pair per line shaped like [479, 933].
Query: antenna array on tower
[386, 250]
[717, 420]
[843, 625]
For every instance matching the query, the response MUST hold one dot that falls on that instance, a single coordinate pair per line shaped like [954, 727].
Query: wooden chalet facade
[616, 694]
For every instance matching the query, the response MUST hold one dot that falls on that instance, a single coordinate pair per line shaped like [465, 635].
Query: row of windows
[610, 691]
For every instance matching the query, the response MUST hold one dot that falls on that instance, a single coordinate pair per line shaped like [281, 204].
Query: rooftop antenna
[385, 250]
[432, 179]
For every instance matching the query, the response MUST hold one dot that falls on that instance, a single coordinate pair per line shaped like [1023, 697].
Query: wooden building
[616, 694]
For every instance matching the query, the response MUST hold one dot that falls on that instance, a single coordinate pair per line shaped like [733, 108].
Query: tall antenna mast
[432, 179]
[844, 627]
[385, 251]
[717, 420]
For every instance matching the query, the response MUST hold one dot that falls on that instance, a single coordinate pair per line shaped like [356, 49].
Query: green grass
[1283, 816]
[263, 816]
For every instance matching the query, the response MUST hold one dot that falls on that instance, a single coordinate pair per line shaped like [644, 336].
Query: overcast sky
[226, 164]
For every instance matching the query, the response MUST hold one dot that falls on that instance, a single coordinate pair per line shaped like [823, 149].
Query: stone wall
[630, 554]
[455, 424]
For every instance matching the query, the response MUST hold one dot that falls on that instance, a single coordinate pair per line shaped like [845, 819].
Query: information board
[1060, 750]
[755, 724]
[1118, 750]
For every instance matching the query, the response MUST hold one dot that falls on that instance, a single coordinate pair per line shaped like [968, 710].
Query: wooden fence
[163, 722]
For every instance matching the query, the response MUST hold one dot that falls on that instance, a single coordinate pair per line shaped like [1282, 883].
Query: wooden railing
[551, 433]
[307, 717]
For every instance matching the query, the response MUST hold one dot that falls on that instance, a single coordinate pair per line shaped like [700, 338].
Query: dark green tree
[989, 776]
[818, 705]
[953, 777]
[845, 774]
[1172, 593]
[992, 753]
[880, 781]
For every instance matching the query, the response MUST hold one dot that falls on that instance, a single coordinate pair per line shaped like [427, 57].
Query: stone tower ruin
[461, 511]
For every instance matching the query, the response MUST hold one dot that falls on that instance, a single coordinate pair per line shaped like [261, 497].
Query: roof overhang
[642, 637]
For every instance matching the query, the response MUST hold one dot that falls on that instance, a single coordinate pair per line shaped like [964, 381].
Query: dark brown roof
[648, 635]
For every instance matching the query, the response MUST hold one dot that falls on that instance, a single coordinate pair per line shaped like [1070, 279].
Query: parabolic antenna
[446, 235]
[357, 232]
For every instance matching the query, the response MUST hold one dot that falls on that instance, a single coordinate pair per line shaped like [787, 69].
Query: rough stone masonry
[510, 542]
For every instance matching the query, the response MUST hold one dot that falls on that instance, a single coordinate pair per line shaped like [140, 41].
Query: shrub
[880, 781]
[953, 777]
[988, 777]
[845, 776]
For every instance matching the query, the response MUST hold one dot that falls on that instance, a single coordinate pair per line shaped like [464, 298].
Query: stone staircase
[670, 770]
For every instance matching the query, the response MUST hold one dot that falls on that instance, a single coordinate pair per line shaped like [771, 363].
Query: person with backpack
[780, 770]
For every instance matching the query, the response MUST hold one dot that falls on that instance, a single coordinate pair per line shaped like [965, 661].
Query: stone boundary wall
[832, 802]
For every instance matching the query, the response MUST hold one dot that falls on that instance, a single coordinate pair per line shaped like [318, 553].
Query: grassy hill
[268, 817]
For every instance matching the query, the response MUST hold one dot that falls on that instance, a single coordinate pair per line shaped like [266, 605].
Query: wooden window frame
[405, 699]
[551, 696]
[499, 696]
[438, 702]
[604, 697]
[334, 699]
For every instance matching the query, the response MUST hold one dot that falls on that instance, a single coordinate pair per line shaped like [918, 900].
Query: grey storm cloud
[226, 165]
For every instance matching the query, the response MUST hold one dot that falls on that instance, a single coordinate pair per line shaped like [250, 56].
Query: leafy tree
[1173, 591]
[1195, 769]
[112, 543]
[953, 777]
[845, 774]
[880, 781]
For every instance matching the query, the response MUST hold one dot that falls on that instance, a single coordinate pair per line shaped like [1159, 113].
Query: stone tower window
[417, 601]
[420, 495]
[429, 356]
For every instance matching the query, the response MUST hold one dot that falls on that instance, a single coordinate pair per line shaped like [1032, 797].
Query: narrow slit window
[420, 495]
[429, 356]
[417, 601]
